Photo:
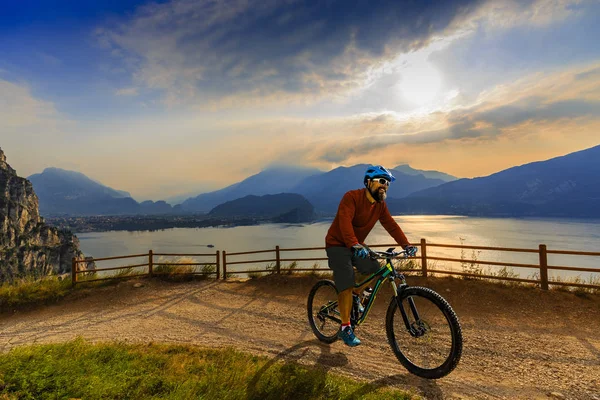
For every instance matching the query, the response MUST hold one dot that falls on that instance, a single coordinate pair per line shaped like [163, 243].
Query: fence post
[424, 257]
[150, 262]
[73, 271]
[278, 260]
[543, 267]
[218, 267]
[224, 264]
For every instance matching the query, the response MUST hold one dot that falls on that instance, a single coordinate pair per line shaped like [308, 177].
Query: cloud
[211, 51]
[19, 109]
[536, 101]
[593, 73]
[205, 49]
[510, 13]
[214, 151]
[49, 60]
[33, 132]
[130, 91]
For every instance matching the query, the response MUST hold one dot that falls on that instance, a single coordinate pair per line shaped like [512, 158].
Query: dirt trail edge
[519, 343]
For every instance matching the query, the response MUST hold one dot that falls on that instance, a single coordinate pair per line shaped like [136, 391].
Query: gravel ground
[519, 343]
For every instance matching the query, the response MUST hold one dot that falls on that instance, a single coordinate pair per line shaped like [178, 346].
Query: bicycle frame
[386, 272]
[389, 272]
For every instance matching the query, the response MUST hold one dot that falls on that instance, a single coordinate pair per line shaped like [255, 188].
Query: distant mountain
[283, 207]
[71, 184]
[325, 191]
[407, 169]
[63, 192]
[567, 186]
[180, 198]
[158, 207]
[270, 181]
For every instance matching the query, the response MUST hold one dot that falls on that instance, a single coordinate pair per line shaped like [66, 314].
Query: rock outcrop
[29, 247]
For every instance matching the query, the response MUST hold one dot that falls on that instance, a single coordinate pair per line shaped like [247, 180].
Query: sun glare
[420, 83]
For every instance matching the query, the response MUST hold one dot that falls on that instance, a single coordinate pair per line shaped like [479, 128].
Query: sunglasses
[382, 181]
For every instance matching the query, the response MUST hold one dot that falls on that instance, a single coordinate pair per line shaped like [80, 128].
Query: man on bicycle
[358, 212]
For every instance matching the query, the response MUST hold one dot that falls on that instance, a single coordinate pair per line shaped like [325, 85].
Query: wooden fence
[150, 264]
[426, 267]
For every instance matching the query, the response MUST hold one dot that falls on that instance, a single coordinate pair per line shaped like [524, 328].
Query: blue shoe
[348, 337]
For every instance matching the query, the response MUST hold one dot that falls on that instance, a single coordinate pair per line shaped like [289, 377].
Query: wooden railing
[426, 268]
[150, 264]
[425, 259]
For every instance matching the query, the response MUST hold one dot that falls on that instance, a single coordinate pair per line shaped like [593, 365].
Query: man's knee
[345, 291]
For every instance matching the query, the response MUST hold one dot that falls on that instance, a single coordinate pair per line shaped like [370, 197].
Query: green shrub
[30, 291]
[254, 274]
[289, 270]
[167, 268]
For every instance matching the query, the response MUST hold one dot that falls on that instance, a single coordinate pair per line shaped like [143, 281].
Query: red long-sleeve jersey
[356, 217]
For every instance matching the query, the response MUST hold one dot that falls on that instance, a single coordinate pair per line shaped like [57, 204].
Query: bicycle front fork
[416, 329]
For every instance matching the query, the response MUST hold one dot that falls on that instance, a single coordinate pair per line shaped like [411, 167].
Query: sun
[421, 83]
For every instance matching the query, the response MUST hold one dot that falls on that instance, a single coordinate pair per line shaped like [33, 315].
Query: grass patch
[78, 369]
[125, 272]
[168, 269]
[470, 266]
[254, 274]
[290, 269]
[271, 268]
[29, 291]
[593, 279]
[316, 267]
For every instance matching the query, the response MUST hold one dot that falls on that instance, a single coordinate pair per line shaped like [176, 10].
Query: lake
[557, 234]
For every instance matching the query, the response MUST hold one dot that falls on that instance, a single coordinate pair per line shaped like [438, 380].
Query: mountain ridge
[64, 192]
[567, 185]
[282, 179]
[407, 169]
[322, 189]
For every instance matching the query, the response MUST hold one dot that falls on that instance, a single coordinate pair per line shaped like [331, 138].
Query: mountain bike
[422, 328]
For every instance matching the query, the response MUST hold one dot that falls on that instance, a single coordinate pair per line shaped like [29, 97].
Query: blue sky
[169, 97]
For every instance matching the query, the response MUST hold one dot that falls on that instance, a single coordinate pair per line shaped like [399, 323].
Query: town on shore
[101, 223]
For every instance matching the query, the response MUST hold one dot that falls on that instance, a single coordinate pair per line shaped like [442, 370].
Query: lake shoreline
[151, 223]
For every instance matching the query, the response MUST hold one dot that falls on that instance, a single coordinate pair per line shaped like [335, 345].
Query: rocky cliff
[29, 247]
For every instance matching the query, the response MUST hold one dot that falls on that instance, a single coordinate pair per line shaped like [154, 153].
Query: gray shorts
[341, 262]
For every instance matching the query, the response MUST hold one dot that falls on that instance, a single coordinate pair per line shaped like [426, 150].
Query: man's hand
[411, 251]
[360, 251]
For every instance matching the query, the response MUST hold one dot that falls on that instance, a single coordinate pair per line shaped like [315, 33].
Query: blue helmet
[378, 171]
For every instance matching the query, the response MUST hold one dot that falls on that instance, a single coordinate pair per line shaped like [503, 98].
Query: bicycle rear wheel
[432, 347]
[323, 312]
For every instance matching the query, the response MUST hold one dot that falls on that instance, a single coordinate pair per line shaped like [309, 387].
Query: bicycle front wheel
[424, 332]
[323, 311]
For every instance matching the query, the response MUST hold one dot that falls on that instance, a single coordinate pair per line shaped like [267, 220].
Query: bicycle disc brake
[419, 328]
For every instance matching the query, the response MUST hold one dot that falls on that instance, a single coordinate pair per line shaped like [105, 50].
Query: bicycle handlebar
[390, 253]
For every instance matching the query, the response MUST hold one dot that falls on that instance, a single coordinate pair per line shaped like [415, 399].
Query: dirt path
[518, 342]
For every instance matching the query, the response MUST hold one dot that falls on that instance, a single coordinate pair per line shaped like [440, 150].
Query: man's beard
[378, 195]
